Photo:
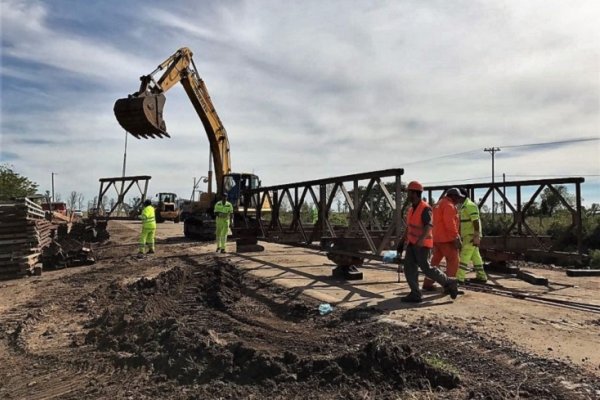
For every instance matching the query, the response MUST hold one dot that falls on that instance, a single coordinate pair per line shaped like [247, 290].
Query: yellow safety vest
[469, 212]
[148, 218]
[223, 211]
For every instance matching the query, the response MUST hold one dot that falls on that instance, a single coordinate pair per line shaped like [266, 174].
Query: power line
[558, 175]
[460, 180]
[443, 156]
[455, 180]
[576, 140]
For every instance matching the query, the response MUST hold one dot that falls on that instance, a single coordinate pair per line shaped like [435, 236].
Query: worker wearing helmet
[418, 241]
[446, 237]
[223, 211]
[470, 232]
[148, 228]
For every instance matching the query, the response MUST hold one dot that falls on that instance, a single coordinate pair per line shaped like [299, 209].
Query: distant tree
[133, 202]
[13, 184]
[72, 200]
[75, 200]
[533, 209]
[551, 200]
[80, 200]
[594, 209]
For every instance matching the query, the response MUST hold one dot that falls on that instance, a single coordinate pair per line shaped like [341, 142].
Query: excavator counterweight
[142, 115]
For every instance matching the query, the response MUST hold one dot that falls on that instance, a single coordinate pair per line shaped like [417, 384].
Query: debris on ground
[186, 324]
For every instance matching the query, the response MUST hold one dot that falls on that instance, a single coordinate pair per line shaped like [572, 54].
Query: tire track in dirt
[42, 355]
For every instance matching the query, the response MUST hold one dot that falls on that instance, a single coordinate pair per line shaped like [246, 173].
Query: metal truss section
[517, 199]
[122, 186]
[358, 217]
[354, 216]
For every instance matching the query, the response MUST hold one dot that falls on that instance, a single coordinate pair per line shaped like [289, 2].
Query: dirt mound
[208, 324]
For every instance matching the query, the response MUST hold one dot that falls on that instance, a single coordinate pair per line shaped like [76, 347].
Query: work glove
[476, 239]
[458, 243]
[401, 255]
[400, 246]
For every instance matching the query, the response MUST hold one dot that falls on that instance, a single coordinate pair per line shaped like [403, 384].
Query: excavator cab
[235, 184]
[141, 115]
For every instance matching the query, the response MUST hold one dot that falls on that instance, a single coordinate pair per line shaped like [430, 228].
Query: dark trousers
[418, 257]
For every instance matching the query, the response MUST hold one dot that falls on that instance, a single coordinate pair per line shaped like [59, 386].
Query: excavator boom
[141, 113]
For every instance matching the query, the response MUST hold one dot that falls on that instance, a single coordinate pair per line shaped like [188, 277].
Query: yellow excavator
[141, 114]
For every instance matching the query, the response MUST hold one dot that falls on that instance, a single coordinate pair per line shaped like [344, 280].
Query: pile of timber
[24, 233]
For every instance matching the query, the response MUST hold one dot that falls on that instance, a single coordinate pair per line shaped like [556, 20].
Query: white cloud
[308, 90]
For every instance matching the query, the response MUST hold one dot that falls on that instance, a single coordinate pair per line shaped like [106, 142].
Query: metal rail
[522, 295]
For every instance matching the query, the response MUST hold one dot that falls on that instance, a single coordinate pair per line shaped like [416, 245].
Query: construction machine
[141, 114]
[167, 208]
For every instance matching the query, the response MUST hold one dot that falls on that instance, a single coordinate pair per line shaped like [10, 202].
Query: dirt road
[187, 323]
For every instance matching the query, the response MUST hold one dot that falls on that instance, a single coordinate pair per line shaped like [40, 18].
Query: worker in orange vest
[418, 241]
[446, 236]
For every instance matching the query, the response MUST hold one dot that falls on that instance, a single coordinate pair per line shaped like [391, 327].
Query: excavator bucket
[142, 116]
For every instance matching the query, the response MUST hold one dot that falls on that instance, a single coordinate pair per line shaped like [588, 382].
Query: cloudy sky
[307, 89]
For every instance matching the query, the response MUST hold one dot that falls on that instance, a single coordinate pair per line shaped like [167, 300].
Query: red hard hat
[416, 186]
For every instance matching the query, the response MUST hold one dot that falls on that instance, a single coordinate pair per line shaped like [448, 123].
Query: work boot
[140, 255]
[411, 298]
[452, 288]
[222, 251]
[151, 251]
[480, 275]
[460, 277]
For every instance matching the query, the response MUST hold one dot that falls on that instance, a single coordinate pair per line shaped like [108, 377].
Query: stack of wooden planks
[24, 233]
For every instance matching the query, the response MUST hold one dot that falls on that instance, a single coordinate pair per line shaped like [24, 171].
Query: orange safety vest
[416, 227]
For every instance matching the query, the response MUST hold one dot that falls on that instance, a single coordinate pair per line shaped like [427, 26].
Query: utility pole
[125, 156]
[52, 187]
[121, 205]
[493, 151]
[504, 193]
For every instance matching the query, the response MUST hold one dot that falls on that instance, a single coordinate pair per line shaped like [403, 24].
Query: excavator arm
[141, 112]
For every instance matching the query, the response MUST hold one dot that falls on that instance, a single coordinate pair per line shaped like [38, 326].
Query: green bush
[496, 226]
[595, 259]
[591, 236]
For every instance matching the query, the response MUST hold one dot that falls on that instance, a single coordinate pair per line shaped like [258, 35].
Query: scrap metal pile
[24, 233]
[69, 248]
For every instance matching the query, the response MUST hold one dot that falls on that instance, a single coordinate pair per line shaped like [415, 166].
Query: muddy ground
[187, 324]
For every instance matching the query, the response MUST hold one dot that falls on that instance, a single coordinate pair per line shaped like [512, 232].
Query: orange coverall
[445, 233]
